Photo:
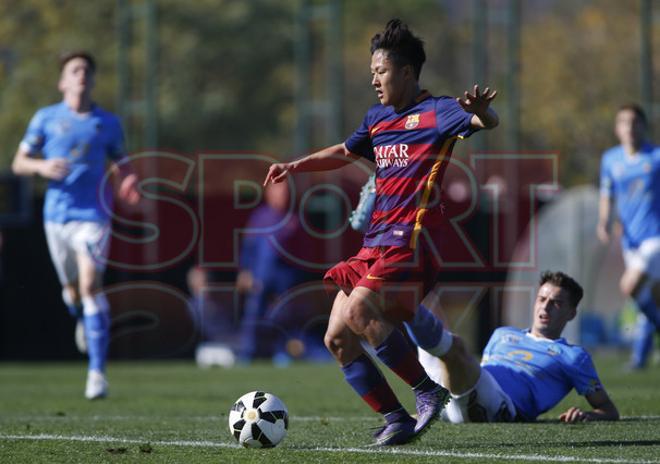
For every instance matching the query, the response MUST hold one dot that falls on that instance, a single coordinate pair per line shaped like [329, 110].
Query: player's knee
[331, 342]
[70, 295]
[631, 284]
[337, 344]
[626, 287]
[87, 290]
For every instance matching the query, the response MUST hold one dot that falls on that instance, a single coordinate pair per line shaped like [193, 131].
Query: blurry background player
[215, 321]
[269, 329]
[524, 373]
[630, 177]
[76, 138]
[409, 136]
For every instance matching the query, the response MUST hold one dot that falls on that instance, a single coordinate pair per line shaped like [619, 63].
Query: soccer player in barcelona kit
[76, 138]
[630, 178]
[524, 373]
[409, 136]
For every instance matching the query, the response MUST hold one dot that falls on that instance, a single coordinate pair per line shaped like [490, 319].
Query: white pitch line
[64, 417]
[367, 450]
[54, 417]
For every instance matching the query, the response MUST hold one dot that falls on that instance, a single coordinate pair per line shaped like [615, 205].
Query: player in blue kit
[524, 372]
[630, 179]
[75, 139]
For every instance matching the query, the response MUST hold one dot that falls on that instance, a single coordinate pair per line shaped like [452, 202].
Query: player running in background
[630, 177]
[409, 136]
[524, 373]
[76, 138]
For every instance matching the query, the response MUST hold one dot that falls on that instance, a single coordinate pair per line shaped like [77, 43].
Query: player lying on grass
[409, 136]
[523, 372]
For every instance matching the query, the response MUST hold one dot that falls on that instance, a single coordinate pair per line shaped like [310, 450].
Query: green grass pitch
[165, 412]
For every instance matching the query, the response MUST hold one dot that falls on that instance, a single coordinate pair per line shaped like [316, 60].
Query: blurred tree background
[225, 75]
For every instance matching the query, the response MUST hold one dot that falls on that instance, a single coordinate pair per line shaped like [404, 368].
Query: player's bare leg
[71, 297]
[366, 316]
[365, 378]
[640, 286]
[632, 281]
[342, 343]
[459, 371]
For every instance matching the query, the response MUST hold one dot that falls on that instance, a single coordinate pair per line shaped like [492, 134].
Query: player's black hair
[561, 280]
[401, 45]
[637, 109]
[85, 55]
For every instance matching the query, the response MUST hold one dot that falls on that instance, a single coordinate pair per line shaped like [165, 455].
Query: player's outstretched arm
[25, 165]
[603, 410]
[478, 103]
[329, 158]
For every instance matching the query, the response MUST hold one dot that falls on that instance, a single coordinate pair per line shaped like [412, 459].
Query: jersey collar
[529, 334]
[423, 95]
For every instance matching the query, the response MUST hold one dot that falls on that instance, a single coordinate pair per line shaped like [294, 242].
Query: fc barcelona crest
[412, 121]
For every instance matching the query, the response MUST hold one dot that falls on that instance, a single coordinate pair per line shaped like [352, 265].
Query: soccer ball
[258, 420]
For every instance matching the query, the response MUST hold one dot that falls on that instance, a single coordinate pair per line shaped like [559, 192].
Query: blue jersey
[634, 184]
[86, 142]
[537, 373]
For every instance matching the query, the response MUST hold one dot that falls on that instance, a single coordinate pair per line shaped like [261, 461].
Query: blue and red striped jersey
[411, 150]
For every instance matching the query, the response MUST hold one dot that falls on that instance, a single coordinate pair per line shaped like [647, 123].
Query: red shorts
[395, 271]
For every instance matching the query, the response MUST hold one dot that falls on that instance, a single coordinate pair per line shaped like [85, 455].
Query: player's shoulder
[571, 352]
[444, 102]
[509, 333]
[612, 154]
[48, 110]
[652, 149]
[509, 329]
[443, 99]
[101, 112]
[377, 111]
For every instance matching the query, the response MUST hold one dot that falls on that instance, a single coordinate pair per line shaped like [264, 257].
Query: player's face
[552, 310]
[389, 80]
[77, 77]
[629, 128]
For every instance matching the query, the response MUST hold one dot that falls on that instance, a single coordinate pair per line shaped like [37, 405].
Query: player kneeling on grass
[523, 372]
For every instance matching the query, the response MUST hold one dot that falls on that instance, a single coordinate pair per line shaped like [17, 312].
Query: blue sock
[98, 335]
[643, 342]
[425, 330]
[96, 318]
[368, 382]
[397, 354]
[76, 311]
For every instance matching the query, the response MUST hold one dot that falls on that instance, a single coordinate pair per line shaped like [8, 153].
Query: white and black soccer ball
[258, 420]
